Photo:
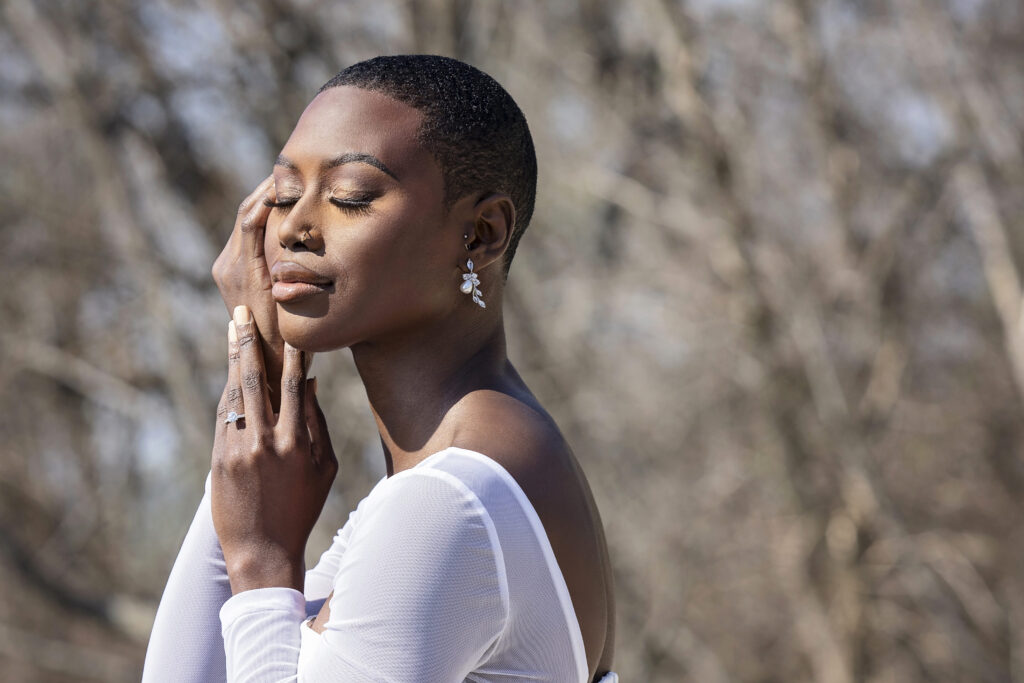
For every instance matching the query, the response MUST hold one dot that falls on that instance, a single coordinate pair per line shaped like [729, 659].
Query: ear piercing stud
[470, 285]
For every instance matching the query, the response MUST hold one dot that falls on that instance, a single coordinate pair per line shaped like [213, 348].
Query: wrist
[264, 571]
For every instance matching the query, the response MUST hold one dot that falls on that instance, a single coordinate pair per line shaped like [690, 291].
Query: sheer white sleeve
[420, 594]
[320, 579]
[185, 644]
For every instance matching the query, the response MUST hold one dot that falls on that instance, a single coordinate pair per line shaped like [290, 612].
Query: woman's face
[358, 246]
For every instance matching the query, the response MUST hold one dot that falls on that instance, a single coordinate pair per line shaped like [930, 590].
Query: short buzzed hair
[471, 125]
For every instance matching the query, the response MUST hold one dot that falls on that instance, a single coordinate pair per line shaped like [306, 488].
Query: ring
[234, 417]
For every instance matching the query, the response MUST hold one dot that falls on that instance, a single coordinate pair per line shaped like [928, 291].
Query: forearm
[185, 644]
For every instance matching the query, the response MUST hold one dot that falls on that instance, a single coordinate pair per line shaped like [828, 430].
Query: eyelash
[353, 206]
[359, 206]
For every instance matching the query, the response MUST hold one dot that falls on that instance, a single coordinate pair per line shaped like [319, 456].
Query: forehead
[346, 119]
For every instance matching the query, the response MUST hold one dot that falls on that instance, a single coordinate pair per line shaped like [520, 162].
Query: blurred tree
[772, 293]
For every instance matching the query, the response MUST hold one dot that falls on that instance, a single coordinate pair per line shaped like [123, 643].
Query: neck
[413, 381]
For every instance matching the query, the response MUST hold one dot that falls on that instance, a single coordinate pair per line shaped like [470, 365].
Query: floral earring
[470, 285]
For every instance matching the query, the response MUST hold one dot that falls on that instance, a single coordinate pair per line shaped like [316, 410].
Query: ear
[494, 218]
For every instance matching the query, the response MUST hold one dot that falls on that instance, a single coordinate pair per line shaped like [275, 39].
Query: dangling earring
[470, 284]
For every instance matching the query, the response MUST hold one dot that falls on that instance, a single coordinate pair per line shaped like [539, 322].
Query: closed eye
[354, 206]
[280, 203]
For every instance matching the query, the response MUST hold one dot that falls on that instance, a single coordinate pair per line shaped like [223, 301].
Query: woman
[388, 227]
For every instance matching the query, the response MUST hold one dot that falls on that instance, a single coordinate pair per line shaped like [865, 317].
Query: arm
[420, 595]
[186, 633]
[185, 644]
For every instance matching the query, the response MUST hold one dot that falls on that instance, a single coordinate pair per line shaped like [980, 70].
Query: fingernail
[232, 333]
[241, 315]
[312, 385]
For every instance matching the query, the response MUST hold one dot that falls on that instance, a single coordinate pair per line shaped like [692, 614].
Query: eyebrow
[346, 158]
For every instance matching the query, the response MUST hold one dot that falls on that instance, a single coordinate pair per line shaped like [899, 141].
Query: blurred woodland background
[772, 293]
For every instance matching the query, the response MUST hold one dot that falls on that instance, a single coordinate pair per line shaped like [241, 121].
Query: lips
[293, 282]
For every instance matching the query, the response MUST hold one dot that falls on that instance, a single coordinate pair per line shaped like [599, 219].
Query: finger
[253, 220]
[293, 391]
[231, 397]
[252, 372]
[233, 390]
[255, 198]
[230, 401]
[320, 438]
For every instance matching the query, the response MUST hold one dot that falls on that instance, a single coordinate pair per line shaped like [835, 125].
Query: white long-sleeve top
[442, 573]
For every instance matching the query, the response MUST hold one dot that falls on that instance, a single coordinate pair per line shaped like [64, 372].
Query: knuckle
[236, 463]
[219, 465]
[228, 463]
[234, 396]
[252, 379]
[287, 444]
[245, 334]
[292, 385]
[255, 448]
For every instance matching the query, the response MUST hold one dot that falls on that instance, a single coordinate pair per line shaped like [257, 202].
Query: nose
[297, 232]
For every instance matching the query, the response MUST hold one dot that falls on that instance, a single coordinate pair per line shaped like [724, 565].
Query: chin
[307, 334]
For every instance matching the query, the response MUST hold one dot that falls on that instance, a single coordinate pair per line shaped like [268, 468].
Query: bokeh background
[772, 294]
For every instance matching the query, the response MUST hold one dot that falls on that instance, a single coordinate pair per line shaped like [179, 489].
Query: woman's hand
[270, 477]
[243, 278]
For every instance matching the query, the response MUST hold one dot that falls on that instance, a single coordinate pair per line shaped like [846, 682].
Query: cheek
[390, 271]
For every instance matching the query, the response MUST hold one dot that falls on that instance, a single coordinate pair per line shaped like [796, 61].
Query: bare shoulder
[521, 437]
